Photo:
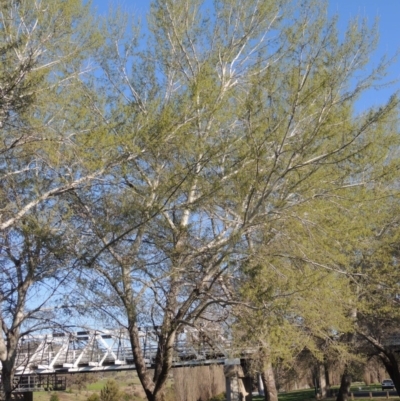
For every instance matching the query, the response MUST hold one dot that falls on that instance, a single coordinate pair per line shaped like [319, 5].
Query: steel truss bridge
[110, 350]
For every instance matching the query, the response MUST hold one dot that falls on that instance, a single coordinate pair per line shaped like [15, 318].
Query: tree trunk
[327, 380]
[268, 378]
[159, 396]
[8, 353]
[141, 368]
[7, 380]
[322, 380]
[154, 389]
[388, 357]
[344, 389]
[389, 360]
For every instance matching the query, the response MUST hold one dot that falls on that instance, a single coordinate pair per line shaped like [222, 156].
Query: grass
[126, 380]
[96, 386]
[297, 395]
[63, 396]
[309, 394]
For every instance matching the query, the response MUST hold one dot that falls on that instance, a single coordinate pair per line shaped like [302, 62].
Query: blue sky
[387, 12]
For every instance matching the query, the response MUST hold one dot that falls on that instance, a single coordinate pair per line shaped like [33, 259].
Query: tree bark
[327, 380]
[154, 388]
[322, 380]
[389, 360]
[7, 379]
[141, 368]
[8, 353]
[268, 379]
[344, 389]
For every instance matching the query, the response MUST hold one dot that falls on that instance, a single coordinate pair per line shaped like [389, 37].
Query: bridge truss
[108, 350]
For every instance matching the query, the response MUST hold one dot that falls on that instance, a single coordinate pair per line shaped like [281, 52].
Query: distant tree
[377, 310]
[287, 309]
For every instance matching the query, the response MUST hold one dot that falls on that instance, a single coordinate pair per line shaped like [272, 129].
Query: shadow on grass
[300, 395]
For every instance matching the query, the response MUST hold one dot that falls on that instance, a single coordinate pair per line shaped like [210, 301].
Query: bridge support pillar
[235, 390]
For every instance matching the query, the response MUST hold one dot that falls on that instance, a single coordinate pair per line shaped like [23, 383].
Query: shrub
[126, 397]
[110, 392]
[54, 397]
[93, 397]
[218, 397]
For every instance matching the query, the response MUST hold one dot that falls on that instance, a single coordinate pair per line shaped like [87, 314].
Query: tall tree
[234, 118]
[295, 300]
[377, 310]
[44, 49]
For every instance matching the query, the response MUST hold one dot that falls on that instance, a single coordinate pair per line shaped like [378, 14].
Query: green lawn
[299, 395]
[309, 394]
